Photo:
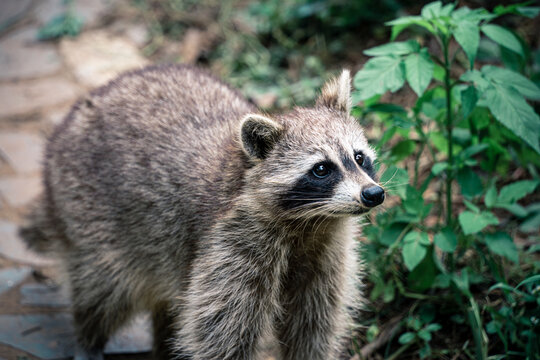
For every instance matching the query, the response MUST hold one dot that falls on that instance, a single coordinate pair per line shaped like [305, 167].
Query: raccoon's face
[313, 162]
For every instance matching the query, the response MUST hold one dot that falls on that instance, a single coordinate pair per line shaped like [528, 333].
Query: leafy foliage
[65, 24]
[452, 239]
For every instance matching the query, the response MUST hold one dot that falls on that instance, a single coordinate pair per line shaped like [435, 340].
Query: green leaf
[530, 279]
[531, 225]
[467, 34]
[470, 183]
[501, 243]
[432, 10]
[509, 108]
[471, 222]
[515, 191]
[424, 335]
[406, 338]
[518, 9]
[439, 168]
[419, 71]
[446, 240]
[414, 248]
[395, 181]
[413, 202]
[472, 150]
[477, 78]
[433, 327]
[379, 75]
[390, 234]
[502, 37]
[515, 209]
[491, 197]
[403, 149]
[461, 280]
[511, 78]
[400, 24]
[423, 275]
[394, 48]
[469, 98]
[438, 73]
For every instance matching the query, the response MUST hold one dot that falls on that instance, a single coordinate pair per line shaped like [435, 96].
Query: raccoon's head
[312, 161]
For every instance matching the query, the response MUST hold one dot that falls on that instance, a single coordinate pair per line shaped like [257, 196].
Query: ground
[39, 81]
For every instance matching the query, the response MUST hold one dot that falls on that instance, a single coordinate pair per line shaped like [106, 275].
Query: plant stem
[449, 125]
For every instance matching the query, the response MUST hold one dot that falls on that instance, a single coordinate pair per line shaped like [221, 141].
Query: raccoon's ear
[336, 93]
[259, 134]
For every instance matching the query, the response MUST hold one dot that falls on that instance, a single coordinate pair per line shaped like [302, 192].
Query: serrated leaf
[469, 98]
[414, 248]
[379, 75]
[502, 244]
[502, 37]
[467, 34]
[508, 78]
[471, 222]
[394, 48]
[509, 108]
[477, 78]
[419, 71]
[446, 240]
[515, 191]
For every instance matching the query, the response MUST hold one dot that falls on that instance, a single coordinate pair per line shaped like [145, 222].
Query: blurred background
[278, 53]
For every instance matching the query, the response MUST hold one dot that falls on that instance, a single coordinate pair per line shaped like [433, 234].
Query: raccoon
[167, 191]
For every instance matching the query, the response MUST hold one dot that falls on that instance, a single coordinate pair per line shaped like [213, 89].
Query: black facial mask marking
[310, 189]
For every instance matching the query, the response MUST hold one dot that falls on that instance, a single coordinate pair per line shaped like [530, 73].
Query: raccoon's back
[144, 156]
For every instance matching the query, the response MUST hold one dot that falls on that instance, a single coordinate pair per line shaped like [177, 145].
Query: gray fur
[158, 196]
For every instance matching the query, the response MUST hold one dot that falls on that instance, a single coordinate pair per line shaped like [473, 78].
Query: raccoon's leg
[99, 307]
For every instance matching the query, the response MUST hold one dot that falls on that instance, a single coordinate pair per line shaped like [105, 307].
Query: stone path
[38, 83]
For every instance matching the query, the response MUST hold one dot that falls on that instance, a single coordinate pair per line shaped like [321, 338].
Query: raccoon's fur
[166, 191]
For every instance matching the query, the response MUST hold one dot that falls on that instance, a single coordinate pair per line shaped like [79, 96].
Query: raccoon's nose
[372, 196]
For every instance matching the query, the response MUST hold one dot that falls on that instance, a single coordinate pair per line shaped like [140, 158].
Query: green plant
[447, 235]
[65, 24]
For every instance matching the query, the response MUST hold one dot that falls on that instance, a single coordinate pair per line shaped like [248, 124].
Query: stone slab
[12, 247]
[44, 295]
[12, 11]
[11, 277]
[18, 190]
[23, 57]
[51, 336]
[96, 57]
[34, 95]
[23, 151]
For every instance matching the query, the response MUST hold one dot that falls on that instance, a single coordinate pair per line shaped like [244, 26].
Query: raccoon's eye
[320, 171]
[359, 159]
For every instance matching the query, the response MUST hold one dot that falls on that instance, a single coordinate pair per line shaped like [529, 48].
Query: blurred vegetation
[451, 105]
[65, 24]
